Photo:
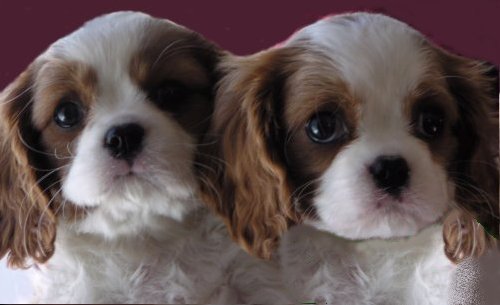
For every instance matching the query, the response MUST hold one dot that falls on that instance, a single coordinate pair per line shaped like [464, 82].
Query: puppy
[359, 126]
[97, 188]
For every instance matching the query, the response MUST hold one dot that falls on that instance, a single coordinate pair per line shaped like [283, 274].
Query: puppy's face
[372, 128]
[367, 131]
[103, 127]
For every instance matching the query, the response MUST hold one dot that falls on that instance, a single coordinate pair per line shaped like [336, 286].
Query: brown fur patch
[468, 148]
[433, 92]
[59, 81]
[185, 58]
[249, 188]
[314, 87]
[464, 237]
[474, 165]
[270, 165]
[27, 223]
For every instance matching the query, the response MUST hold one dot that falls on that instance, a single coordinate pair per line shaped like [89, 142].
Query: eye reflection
[68, 114]
[326, 127]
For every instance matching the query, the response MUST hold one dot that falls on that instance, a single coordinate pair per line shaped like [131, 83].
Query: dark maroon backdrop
[27, 28]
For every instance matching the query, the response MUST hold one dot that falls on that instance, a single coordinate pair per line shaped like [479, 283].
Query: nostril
[390, 173]
[124, 141]
[114, 142]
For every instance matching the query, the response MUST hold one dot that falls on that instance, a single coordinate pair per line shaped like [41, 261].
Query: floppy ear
[474, 170]
[244, 175]
[27, 225]
[464, 237]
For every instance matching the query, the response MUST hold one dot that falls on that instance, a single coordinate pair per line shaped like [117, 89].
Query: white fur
[381, 60]
[163, 170]
[146, 237]
[320, 267]
[189, 262]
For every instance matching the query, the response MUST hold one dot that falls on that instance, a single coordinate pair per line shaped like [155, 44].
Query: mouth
[393, 207]
[388, 201]
[124, 168]
[129, 177]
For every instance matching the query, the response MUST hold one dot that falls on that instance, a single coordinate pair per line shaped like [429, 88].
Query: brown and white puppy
[98, 139]
[359, 126]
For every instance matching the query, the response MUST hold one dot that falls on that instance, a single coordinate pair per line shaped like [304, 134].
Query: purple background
[28, 27]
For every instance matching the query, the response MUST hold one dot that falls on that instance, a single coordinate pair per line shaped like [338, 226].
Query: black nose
[124, 141]
[390, 173]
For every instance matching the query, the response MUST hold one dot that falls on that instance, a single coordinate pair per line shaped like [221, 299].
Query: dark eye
[326, 127]
[430, 123]
[68, 114]
[168, 96]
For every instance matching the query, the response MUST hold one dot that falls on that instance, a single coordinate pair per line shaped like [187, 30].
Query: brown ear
[27, 225]
[244, 175]
[464, 237]
[475, 165]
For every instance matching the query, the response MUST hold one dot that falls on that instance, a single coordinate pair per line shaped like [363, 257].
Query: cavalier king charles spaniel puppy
[98, 139]
[359, 126]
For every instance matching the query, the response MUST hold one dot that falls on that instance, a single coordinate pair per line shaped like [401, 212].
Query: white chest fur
[320, 267]
[197, 264]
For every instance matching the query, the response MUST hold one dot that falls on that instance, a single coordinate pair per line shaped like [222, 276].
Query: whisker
[23, 141]
[165, 50]
[19, 95]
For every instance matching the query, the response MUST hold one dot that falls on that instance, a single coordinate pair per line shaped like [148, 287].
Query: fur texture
[98, 143]
[377, 75]
[386, 93]
[320, 267]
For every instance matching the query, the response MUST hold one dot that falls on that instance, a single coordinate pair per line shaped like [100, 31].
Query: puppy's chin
[389, 224]
[127, 214]
[166, 193]
[373, 216]
[135, 204]
[120, 184]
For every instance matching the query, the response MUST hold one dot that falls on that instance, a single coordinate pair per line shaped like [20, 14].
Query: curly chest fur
[192, 267]
[329, 270]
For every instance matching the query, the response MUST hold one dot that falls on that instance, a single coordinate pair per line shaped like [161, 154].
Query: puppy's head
[360, 126]
[100, 132]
